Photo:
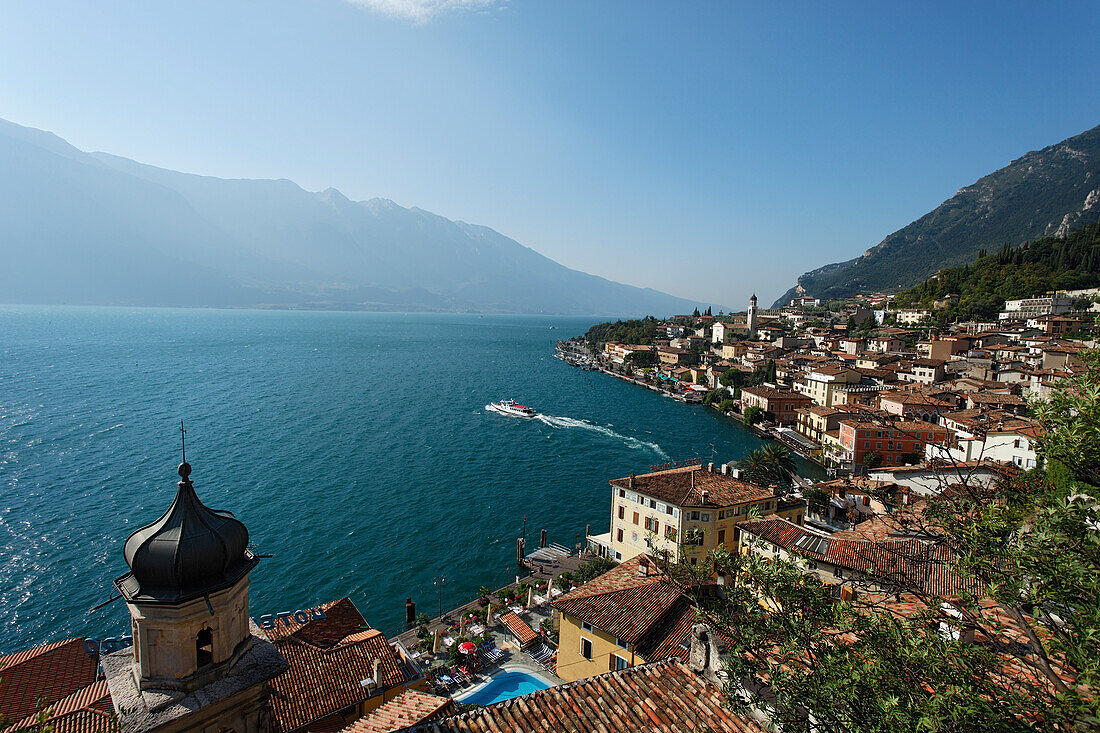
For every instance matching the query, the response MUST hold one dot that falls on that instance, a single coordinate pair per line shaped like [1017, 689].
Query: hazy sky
[704, 149]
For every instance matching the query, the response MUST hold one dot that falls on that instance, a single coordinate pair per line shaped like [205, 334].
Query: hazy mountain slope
[1047, 192]
[95, 228]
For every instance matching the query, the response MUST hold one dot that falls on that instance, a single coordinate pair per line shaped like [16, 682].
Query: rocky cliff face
[1048, 192]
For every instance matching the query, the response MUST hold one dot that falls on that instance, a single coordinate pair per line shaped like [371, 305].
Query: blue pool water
[505, 687]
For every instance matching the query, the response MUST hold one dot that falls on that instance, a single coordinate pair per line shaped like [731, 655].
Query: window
[620, 643]
[652, 503]
[586, 626]
[586, 648]
[721, 536]
[670, 533]
[878, 445]
[767, 505]
[1016, 443]
[694, 561]
[668, 510]
[618, 663]
[812, 565]
[656, 527]
[618, 555]
[204, 648]
[622, 493]
[838, 572]
[648, 521]
[635, 517]
[695, 516]
[622, 512]
[619, 536]
[866, 444]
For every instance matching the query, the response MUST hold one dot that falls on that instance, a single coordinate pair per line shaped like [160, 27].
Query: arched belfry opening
[198, 662]
[204, 648]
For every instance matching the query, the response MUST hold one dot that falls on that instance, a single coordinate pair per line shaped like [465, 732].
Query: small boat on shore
[510, 407]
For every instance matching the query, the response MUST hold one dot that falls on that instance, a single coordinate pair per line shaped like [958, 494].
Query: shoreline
[764, 433]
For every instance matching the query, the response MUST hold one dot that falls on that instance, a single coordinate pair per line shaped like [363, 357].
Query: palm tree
[773, 465]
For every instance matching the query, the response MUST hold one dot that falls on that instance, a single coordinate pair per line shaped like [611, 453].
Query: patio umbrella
[467, 647]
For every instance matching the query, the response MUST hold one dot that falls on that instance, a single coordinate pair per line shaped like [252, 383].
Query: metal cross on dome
[183, 441]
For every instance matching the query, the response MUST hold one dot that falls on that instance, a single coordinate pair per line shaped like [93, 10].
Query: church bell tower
[751, 320]
[198, 662]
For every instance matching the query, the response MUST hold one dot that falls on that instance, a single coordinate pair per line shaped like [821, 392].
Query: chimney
[703, 656]
[643, 568]
[905, 495]
[710, 467]
[705, 495]
[725, 469]
[630, 481]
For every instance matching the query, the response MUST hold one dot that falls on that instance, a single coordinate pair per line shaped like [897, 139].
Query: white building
[1012, 442]
[1047, 305]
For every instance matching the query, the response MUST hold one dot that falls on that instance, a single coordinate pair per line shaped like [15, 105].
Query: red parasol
[467, 647]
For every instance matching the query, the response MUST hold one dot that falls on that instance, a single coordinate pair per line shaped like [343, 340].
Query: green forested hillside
[625, 332]
[1051, 263]
[1044, 193]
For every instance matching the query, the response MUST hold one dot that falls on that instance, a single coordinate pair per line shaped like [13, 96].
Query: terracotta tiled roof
[328, 660]
[684, 487]
[661, 696]
[622, 602]
[892, 563]
[519, 628]
[62, 674]
[408, 708]
[775, 394]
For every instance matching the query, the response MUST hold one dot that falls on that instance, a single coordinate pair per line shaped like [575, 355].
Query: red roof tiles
[328, 659]
[408, 708]
[684, 487]
[519, 628]
[661, 696]
[61, 674]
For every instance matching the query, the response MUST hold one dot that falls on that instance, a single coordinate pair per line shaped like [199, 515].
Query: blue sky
[704, 149]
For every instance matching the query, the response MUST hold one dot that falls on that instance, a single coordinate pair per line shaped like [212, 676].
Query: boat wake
[566, 423]
[570, 423]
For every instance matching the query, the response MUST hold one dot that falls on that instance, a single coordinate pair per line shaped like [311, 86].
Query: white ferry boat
[509, 407]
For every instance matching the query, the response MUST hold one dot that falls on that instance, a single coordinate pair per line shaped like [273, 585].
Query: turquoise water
[504, 687]
[355, 446]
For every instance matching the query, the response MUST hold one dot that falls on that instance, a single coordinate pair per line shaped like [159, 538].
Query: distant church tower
[198, 663]
[752, 315]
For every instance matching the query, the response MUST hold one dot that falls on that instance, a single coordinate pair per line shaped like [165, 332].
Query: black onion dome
[189, 552]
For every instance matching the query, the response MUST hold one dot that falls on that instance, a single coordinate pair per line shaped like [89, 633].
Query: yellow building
[735, 350]
[685, 512]
[822, 382]
[625, 617]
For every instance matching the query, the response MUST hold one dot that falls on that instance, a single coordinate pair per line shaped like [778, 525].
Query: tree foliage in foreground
[1014, 645]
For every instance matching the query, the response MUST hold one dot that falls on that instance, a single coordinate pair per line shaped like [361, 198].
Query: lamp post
[439, 588]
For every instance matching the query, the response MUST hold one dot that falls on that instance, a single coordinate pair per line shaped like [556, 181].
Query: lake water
[354, 446]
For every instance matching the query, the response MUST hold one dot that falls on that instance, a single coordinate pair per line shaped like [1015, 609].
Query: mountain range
[1049, 192]
[93, 228]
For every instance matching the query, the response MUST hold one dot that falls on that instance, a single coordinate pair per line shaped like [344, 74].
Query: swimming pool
[504, 686]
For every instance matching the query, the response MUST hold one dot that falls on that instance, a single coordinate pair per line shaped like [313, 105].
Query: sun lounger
[477, 629]
[539, 600]
[517, 609]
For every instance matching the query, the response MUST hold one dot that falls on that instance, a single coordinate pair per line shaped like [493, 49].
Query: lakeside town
[903, 415]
